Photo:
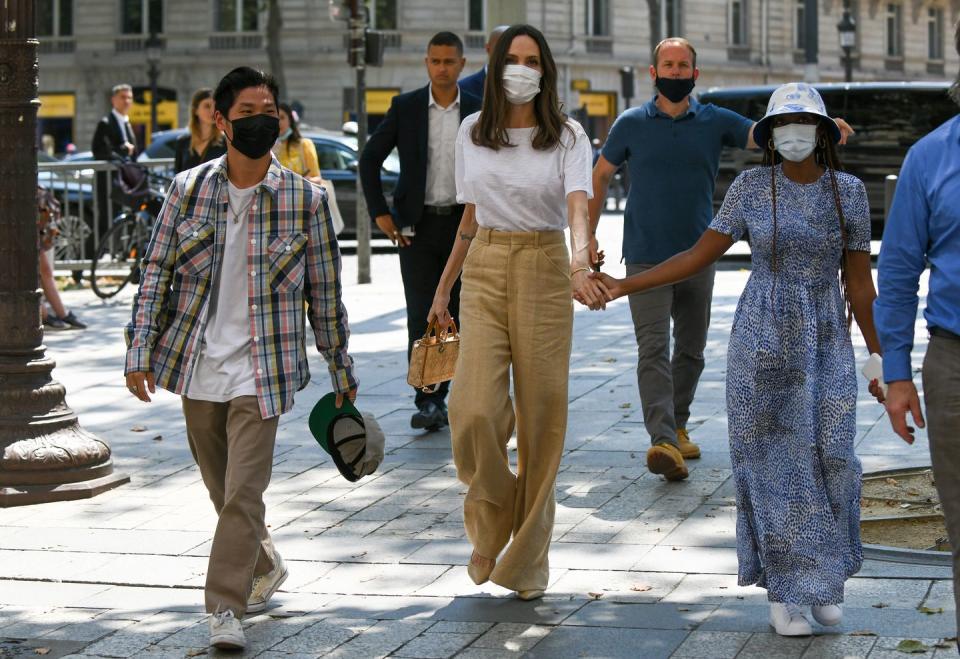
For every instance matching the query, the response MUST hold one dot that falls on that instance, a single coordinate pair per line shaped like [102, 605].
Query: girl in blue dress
[791, 383]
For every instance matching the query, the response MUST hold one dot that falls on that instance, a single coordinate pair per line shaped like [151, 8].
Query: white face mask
[521, 83]
[795, 141]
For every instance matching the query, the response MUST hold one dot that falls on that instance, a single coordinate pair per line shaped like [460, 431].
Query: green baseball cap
[355, 441]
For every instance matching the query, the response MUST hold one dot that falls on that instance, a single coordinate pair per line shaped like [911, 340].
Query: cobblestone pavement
[640, 567]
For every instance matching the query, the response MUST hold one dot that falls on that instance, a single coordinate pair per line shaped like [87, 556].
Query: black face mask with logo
[255, 135]
[675, 89]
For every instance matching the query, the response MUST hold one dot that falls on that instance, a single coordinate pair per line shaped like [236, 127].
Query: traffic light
[626, 82]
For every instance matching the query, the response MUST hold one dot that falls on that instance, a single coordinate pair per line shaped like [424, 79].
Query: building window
[737, 20]
[55, 18]
[141, 16]
[476, 15]
[237, 16]
[383, 14]
[894, 30]
[799, 25]
[935, 33]
[674, 18]
[598, 18]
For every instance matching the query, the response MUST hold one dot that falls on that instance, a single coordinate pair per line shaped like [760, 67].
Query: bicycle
[117, 261]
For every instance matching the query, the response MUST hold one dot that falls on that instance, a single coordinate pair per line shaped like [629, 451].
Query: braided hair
[826, 156]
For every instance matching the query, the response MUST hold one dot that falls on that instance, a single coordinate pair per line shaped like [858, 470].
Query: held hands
[609, 287]
[385, 222]
[902, 396]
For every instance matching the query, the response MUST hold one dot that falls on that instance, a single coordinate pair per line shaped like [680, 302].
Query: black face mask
[255, 135]
[675, 89]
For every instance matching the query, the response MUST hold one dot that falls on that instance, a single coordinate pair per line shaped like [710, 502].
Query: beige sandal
[480, 568]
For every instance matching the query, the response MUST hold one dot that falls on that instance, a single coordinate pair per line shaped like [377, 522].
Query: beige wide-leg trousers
[516, 311]
[233, 446]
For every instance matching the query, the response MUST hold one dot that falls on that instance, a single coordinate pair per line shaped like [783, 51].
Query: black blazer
[109, 138]
[474, 83]
[405, 127]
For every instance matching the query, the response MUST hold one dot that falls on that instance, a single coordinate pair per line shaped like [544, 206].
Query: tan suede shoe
[666, 459]
[688, 449]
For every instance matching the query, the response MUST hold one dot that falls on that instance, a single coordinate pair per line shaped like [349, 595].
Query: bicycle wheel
[118, 256]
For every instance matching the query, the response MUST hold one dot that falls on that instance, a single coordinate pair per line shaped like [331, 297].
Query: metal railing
[83, 219]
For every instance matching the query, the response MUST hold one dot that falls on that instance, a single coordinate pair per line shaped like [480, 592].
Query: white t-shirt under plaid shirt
[519, 188]
[224, 369]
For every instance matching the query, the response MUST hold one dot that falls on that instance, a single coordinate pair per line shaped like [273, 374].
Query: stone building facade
[89, 45]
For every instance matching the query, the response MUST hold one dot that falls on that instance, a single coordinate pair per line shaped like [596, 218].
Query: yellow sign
[57, 106]
[378, 100]
[598, 104]
[580, 84]
[166, 113]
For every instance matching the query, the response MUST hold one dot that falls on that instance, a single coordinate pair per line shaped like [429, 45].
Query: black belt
[943, 334]
[442, 210]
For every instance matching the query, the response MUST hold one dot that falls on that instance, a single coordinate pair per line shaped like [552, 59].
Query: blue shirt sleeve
[856, 216]
[736, 128]
[731, 219]
[616, 149]
[902, 260]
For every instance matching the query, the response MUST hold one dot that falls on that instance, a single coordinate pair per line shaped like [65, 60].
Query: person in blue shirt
[671, 146]
[924, 227]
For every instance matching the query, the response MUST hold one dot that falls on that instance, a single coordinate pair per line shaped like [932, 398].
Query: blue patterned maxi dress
[792, 390]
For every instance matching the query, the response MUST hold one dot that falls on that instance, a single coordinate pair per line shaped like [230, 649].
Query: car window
[331, 156]
[891, 117]
[162, 148]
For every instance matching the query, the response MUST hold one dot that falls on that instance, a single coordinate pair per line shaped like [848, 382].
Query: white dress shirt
[125, 126]
[441, 152]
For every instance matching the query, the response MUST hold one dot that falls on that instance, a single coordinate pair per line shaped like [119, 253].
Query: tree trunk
[274, 36]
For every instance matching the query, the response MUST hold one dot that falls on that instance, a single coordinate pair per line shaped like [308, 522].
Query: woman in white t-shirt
[523, 171]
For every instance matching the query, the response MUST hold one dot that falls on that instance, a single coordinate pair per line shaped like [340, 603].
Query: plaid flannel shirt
[292, 257]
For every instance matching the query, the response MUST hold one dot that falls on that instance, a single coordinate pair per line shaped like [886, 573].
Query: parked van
[888, 118]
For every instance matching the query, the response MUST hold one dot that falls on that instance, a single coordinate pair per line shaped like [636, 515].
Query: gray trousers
[667, 385]
[941, 394]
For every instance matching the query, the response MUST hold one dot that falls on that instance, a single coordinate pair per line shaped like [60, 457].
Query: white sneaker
[828, 615]
[226, 632]
[265, 586]
[788, 620]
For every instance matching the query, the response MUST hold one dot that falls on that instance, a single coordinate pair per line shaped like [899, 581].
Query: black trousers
[421, 265]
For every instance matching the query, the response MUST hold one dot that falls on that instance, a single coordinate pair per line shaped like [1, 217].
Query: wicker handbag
[434, 357]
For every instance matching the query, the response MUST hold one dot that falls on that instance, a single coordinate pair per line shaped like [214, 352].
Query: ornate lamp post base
[44, 454]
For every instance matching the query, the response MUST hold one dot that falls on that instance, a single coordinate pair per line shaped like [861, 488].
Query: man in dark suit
[474, 82]
[113, 138]
[423, 126]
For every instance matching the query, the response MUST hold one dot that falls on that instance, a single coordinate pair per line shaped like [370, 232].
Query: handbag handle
[433, 329]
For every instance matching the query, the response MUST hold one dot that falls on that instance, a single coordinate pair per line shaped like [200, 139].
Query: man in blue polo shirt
[672, 146]
[924, 227]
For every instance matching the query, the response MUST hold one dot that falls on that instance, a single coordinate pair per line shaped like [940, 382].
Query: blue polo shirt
[673, 167]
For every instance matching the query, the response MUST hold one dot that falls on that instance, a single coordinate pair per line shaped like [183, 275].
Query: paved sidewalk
[640, 567]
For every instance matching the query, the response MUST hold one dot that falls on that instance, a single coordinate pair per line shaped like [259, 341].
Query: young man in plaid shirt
[240, 245]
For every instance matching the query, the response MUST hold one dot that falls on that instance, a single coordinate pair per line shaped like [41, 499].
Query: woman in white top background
[523, 170]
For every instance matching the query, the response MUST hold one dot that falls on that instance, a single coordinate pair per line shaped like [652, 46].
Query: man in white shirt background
[422, 125]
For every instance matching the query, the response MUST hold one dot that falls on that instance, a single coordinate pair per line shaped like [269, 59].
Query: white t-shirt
[224, 369]
[520, 188]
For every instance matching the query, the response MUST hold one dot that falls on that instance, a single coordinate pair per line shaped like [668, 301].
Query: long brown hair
[491, 130]
[196, 130]
[826, 156]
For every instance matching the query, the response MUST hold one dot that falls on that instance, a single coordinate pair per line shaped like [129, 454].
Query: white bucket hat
[791, 98]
